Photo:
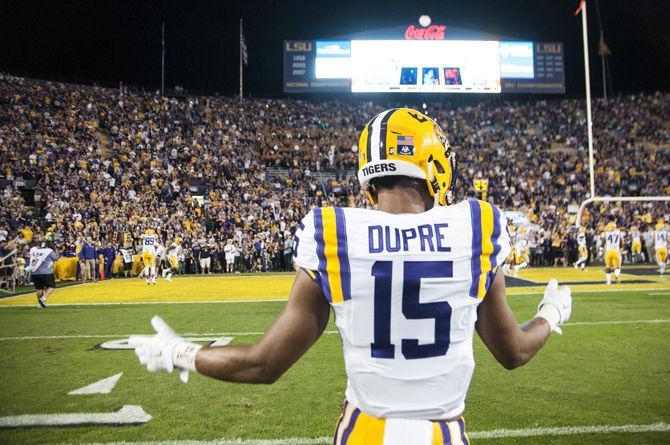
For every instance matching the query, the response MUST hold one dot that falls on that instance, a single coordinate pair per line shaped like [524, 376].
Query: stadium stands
[110, 163]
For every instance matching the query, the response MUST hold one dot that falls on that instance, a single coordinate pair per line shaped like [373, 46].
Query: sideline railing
[8, 273]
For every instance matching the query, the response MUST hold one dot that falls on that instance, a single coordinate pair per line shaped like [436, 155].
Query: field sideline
[606, 380]
[276, 286]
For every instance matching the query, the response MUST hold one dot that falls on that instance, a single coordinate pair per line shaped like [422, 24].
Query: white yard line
[481, 435]
[60, 337]
[104, 386]
[610, 322]
[241, 334]
[127, 415]
[570, 430]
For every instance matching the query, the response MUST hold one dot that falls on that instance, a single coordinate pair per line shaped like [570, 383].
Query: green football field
[606, 380]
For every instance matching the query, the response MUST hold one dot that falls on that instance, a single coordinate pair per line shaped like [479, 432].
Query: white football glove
[165, 350]
[556, 305]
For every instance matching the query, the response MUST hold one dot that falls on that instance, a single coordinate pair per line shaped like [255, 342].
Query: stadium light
[424, 21]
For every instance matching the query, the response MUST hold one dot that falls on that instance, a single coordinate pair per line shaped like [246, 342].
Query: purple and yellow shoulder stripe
[330, 233]
[486, 229]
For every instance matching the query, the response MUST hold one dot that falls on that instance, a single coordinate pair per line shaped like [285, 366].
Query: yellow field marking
[576, 288]
[277, 287]
[594, 273]
[187, 289]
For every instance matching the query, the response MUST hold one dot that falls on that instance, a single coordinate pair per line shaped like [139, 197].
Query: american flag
[405, 140]
[243, 48]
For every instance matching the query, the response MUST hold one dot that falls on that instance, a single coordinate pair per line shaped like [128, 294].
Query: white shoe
[41, 303]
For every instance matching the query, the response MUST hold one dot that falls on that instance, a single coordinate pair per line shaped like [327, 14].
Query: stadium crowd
[110, 163]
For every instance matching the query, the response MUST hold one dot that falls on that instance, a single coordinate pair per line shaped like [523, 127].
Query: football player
[172, 265]
[661, 244]
[41, 268]
[612, 252]
[409, 284]
[163, 263]
[582, 250]
[149, 244]
[520, 251]
[635, 244]
[510, 261]
[127, 255]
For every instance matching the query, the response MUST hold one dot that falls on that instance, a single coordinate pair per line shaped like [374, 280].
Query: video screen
[460, 66]
[408, 76]
[431, 76]
[333, 59]
[452, 76]
[516, 60]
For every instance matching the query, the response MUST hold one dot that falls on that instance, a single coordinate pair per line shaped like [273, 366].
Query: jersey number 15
[412, 309]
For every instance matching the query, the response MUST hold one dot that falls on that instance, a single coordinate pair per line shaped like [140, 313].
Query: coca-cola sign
[432, 32]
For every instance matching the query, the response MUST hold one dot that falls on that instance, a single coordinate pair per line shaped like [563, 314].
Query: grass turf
[595, 374]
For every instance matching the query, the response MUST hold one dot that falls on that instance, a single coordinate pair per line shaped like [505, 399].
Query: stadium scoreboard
[423, 66]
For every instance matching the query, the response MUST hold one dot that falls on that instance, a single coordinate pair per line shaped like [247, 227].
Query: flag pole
[601, 48]
[241, 70]
[587, 80]
[163, 58]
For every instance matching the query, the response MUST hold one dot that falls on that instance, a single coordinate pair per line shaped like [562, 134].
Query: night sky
[108, 41]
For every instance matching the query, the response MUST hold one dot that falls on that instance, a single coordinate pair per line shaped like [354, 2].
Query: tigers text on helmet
[405, 142]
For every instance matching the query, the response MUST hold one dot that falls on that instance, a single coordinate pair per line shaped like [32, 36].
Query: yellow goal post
[588, 201]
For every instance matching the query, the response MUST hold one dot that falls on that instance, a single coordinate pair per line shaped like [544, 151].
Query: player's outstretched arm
[293, 332]
[513, 345]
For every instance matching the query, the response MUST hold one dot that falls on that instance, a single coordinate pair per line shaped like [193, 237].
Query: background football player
[173, 253]
[661, 244]
[612, 252]
[409, 283]
[635, 244]
[582, 250]
[521, 256]
[41, 268]
[149, 243]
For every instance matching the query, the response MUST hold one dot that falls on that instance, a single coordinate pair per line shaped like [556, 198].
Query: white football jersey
[661, 239]
[127, 255]
[149, 244]
[175, 250]
[581, 238]
[405, 290]
[613, 240]
[521, 244]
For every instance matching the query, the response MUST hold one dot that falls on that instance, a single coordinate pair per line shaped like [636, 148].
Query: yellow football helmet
[582, 229]
[405, 142]
[660, 223]
[521, 230]
[149, 232]
[610, 226]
